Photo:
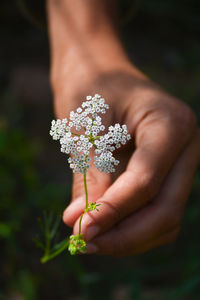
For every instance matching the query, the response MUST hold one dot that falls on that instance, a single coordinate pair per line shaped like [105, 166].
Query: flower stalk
[86, 201]
[79, 146]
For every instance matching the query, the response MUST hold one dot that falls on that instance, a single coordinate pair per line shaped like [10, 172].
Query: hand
[143, 207]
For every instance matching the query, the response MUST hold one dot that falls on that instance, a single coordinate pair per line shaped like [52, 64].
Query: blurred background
[162, 37]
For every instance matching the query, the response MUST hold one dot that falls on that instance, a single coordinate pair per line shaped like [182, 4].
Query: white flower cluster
[79, 145]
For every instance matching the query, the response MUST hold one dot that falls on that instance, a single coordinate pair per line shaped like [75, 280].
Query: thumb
[97, 184]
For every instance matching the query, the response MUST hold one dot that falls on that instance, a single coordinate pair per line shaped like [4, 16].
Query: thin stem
[86, 201]
[73, 133]
[47, 257]
[86, 192]
[47, 244]
[47, 236]
[80, 224]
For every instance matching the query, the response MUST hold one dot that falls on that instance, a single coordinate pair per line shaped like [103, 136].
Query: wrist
[85, 40]
[74, 65]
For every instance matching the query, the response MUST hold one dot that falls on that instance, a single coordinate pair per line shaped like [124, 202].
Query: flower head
[76, 244]
[87, 119]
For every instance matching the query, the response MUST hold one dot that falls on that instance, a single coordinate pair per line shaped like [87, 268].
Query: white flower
[79, 145]
[105, 162]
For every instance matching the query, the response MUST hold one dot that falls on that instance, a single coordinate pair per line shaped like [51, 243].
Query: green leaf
[38, 243]
[55, 227]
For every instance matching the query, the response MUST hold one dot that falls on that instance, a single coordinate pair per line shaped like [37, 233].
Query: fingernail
[91, 248]
[91, 232]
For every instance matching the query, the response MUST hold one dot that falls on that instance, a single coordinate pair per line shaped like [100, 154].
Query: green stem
[80, 224]
[47, 244]
[86, 192]
[86, 200]
[47, 257]
[75, 134]
[47, 237]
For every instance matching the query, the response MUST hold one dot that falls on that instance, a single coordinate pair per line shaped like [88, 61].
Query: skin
[143, 203]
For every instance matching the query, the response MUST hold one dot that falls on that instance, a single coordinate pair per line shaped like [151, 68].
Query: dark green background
[162, 38]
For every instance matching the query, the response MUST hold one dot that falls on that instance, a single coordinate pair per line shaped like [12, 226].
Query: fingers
[158, 222]
[164, 239]
[158, 147]
[97, 184]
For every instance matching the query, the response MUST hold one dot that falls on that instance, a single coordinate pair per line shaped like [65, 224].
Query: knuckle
[188, 119]
[91, 180]
[78, 183]
[113, 213]
[148, 184]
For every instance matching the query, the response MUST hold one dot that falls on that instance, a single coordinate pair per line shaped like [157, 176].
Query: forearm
[84, 32]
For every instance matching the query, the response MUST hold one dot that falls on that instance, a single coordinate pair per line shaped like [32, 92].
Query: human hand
[143, 207]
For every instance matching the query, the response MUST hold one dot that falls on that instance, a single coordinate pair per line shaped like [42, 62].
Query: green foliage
[92, 206]
[49, 245]
[23, 195]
